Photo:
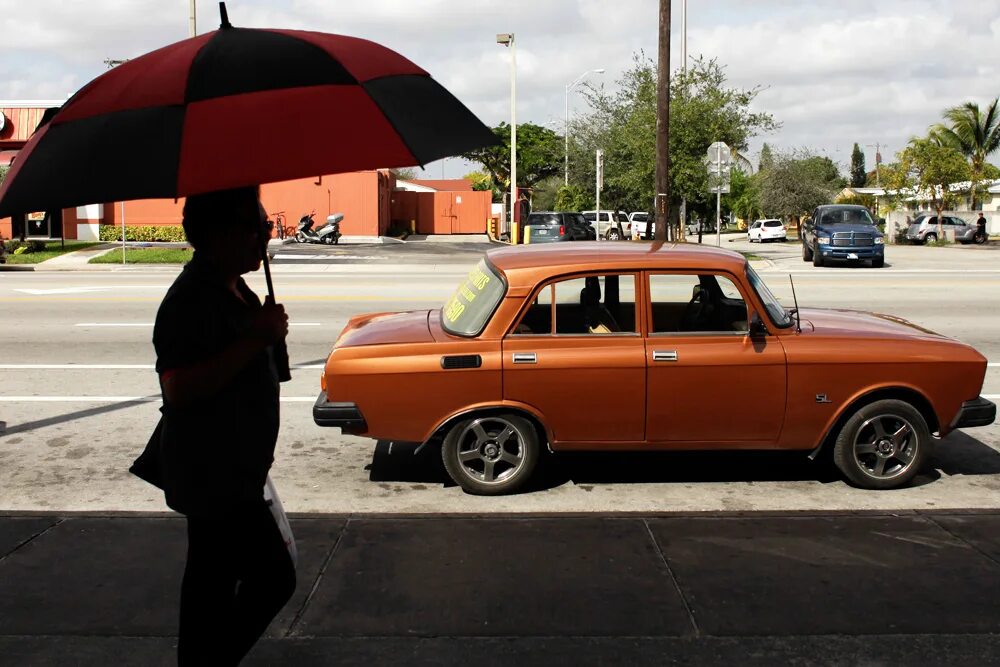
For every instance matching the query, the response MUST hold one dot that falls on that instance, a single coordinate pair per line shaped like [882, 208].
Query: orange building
[369, 200]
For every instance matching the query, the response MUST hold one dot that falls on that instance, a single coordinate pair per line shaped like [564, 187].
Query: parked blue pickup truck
[841, 231]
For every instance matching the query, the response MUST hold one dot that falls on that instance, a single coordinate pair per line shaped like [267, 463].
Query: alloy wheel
[491, 450]
[885, 446]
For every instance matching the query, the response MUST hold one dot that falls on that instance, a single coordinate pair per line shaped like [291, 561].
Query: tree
[539, 155]
[404, 173]
[703, 109]
[766, 158]
[571, 198]
[481, 181]
[798, 182]
[927, 168]
[744, 196]
[859, 176]
[974, 134]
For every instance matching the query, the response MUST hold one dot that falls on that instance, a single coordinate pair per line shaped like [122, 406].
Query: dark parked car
[550, 226]
[842, 231]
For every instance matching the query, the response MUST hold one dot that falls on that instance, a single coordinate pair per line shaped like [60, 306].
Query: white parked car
[613, 225]
[767, 230]
[639, 220]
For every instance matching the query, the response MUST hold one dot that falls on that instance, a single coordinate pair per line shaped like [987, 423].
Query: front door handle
[525, 358]
[664, 355]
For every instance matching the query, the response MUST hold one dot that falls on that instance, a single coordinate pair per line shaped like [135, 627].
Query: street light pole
[193, 21]
[507, 39]
[566, 133]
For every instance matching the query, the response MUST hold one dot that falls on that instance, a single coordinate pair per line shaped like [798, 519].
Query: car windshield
[846, 216]
[778, 314]
[468, 310]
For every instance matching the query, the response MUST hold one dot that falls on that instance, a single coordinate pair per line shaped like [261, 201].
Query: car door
[708, 382]
[579, 361]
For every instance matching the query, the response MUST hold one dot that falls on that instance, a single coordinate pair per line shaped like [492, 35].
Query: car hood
[825, 321]
[386, 328]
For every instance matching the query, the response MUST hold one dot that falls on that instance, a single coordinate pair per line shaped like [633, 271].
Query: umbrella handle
[280, 350]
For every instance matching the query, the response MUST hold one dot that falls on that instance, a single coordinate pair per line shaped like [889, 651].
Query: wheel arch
[911, 395]
[521, 410]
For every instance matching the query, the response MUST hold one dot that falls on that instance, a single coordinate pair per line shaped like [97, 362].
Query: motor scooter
[329, 233]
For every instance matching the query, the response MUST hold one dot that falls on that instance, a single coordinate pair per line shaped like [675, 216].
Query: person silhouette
[213, 341]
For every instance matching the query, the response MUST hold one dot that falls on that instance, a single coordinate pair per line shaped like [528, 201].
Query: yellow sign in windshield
[467, 292]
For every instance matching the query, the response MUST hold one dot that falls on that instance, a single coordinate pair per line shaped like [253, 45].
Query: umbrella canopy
[238, 107]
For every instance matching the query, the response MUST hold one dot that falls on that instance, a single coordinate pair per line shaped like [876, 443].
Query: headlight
[879, 240]
[823, 240]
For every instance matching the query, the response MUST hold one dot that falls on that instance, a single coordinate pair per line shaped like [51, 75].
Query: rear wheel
[491, 455]
[883, 445]
[613, 235]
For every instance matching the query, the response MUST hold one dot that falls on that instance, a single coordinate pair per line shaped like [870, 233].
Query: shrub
[172, 233]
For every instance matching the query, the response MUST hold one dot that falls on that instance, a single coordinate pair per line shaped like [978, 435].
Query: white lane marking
[991, 397]
[327, 257]
[119, 399]
[113, 367]
[149, 324]
[84, 289]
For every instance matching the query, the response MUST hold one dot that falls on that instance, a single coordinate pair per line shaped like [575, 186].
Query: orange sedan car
[649, 332]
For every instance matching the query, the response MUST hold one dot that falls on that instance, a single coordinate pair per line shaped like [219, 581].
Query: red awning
[6, 157]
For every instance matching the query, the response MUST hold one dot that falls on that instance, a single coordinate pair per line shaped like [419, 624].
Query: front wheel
[300, 237]
[878, 262]
[979, 239]
[930, 238]
[883, 445]
[613, 235]
[816, 257]
[806, 253]
[491, 456]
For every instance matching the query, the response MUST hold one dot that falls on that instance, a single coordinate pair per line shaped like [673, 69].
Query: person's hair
[218, 213]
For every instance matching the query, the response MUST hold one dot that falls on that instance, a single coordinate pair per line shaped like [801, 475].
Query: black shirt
[217, 452]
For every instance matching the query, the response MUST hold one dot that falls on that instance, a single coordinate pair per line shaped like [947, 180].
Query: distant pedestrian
[213, 340]
[981, 222]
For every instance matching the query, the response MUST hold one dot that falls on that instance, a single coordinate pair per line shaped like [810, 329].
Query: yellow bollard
[413, 226]
[527, 235]
[513, 233]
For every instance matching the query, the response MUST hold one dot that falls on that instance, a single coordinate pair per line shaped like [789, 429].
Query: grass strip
[52, 249]
[145, 256]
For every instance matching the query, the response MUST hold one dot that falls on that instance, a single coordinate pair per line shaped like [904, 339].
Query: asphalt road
[79, 396]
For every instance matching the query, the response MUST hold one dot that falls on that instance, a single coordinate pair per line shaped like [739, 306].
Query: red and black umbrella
[238, 107]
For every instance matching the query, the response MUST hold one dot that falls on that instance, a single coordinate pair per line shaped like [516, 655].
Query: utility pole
[193, 21]
[662, 214]
[878, 181]
[684, 66]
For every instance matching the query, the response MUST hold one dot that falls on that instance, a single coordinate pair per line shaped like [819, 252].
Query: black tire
[930, 238]
[869, 465]
[467, 448]
[878, 262]
[300, 237]
[328, 240]
[817, 258]
[806, 253]
[613, 235]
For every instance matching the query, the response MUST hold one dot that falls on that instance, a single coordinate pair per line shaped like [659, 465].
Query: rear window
[640, 217]
[467, 312]
[772, 223]
[543, 219]
[590, 217]
[577, 218]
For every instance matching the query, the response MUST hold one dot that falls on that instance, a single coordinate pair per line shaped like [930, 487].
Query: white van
[612, 225]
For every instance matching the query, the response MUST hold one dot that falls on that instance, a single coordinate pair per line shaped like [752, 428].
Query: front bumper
[346, 416]
[977, 412]
[846, 252]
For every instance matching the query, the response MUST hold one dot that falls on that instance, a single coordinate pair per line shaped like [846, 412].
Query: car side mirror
[757, 328]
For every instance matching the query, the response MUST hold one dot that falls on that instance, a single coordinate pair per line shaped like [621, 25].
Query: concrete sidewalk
[752, 589]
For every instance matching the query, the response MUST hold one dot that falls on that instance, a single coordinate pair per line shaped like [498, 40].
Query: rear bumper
[346, 416]
[977, 412]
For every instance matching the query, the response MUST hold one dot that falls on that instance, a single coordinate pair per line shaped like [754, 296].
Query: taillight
[562, 230]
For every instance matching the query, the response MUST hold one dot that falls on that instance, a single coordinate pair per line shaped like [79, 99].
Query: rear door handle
[525, 358]
[664, 355]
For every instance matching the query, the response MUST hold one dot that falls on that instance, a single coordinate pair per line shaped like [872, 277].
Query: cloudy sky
[835, 72]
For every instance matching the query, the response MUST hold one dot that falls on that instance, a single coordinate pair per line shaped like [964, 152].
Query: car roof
[525, 266]
[840, 206]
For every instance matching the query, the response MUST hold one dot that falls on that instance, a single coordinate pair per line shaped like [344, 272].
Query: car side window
[692, 303]
[587, 305]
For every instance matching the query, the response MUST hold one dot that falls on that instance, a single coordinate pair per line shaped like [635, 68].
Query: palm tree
[974, 133]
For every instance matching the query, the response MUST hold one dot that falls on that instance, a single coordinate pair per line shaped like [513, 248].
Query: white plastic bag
[280, 518]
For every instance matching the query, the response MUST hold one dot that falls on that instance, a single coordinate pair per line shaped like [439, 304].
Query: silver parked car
[925, 229]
